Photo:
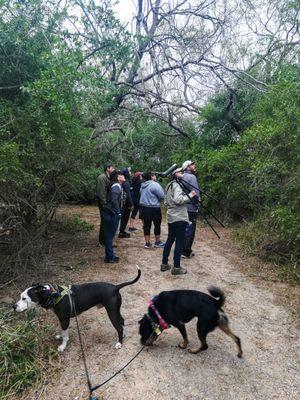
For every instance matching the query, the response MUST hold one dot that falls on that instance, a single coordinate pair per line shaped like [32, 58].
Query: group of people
[121, 196]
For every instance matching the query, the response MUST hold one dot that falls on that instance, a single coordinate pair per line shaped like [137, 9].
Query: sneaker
[178, 271]
[148, 245]
[113, 261]
[99, 244]
[124, 235]
[165, 267]
[159, 244]
[132, 229]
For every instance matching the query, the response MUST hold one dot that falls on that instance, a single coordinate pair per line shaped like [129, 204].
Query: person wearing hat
[189, 181]
[176, 201]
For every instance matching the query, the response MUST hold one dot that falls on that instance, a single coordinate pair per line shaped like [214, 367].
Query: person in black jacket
[127, 204]
[111, 213]
[135, 195]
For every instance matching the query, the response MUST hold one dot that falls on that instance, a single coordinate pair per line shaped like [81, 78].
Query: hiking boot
[178, 271]
[148, 245]
[124, 235]
[165, 267]
[113, 261]
[159, 244]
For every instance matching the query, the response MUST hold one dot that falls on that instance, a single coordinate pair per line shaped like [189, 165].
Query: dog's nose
[15, 307]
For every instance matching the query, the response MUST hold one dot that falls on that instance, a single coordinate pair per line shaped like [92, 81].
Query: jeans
[176, 233]
[110, 222]
[190, 233]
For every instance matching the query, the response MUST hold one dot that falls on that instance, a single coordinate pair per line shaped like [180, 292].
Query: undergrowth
[25, 351]
[256, 239]
[73, 223]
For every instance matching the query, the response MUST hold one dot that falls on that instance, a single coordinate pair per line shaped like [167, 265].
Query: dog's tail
[121, 285]
[217, 294]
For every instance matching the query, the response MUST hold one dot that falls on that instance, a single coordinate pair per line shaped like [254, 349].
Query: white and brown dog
[81, 298]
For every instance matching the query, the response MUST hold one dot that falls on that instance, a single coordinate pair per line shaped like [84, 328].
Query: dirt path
[270, 337]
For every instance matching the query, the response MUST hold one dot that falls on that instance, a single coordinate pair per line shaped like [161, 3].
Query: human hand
[192, 194]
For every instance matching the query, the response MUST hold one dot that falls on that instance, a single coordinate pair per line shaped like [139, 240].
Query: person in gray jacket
[176, 201]
[151, 196]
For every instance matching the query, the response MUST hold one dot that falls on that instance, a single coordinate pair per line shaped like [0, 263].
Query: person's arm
[180, 197]
[159, 191]
[115, 198]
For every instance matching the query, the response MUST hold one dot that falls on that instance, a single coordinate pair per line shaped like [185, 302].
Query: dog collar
[162, 323]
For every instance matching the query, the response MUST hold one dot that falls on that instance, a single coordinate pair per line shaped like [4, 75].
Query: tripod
[186, 188]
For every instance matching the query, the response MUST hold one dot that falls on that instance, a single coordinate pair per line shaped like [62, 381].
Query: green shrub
[25, 351]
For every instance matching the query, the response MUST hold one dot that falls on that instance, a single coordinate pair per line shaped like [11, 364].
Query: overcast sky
[126, 9]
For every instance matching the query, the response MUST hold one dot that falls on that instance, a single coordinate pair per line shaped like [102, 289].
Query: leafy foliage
[25, 351]
[256, 175]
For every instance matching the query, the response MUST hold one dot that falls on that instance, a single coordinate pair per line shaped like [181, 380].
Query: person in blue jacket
[150, 211]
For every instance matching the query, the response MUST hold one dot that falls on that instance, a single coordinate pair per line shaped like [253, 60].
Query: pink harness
[162, 323]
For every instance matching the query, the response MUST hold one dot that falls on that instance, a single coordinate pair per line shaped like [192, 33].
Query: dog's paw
[183, 345]
[57, 337]
[61, 348]
[118, 345]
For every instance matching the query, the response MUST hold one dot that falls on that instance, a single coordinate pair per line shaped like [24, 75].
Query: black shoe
[165, 267]
[113, 261]
[132, 229]
[124, 235]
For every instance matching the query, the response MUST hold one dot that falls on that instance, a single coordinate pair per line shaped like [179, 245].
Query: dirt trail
[269, 334]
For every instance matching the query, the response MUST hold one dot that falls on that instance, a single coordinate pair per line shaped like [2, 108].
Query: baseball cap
[187, 163]
[177, 170]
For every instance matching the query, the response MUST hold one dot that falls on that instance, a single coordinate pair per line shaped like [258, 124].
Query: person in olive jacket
[103, 182]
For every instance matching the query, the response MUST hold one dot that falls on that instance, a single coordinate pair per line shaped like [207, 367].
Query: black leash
[90, 387]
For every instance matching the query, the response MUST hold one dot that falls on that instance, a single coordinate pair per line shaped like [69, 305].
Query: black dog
[176, 307]
[82, 297]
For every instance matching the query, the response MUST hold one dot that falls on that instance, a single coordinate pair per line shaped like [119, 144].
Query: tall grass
[25, 351]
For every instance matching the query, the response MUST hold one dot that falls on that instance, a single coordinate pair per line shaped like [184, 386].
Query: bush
[74, 223]
[25, 351]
